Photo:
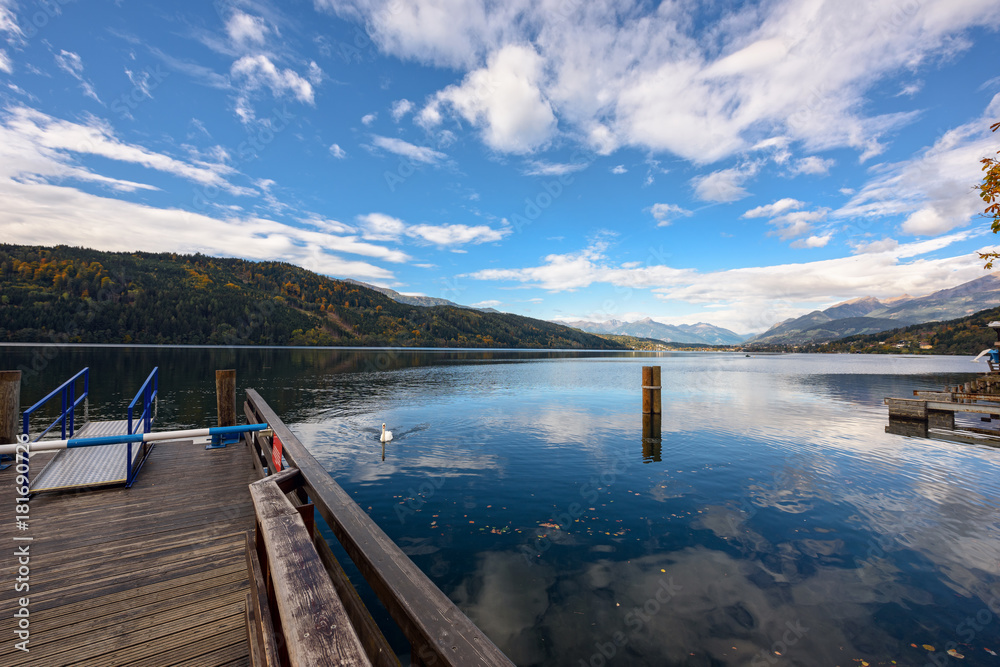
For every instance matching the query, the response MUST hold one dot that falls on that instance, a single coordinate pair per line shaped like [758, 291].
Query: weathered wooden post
[10, 406]
[650, 390]
[225, 396]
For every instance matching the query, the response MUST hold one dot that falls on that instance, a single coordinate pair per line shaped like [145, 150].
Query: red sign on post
[276, 453]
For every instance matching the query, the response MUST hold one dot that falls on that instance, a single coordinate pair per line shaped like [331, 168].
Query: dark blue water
[774, 523]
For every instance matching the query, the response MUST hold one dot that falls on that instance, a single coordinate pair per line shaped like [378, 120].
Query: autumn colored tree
[989, 190]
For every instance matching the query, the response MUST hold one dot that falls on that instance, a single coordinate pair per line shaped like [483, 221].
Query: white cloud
[882, 245]
[244, 29]
[400, 108]
[253, 73]
[667, 213]
[369, 118]
[504, 100]
[754, 298]
[601, 139]
[337, 152]
[725, 185]
[572, 271]
[408, 150]
[204, 75]
[72, 64]
[660, 79]
[542, 168]
[813, 241]
[447, 33]
[490, 303]
[797, 223]
[382, 227]
[39, 213]
[5, 62]
[812, 165]
[775, 209]
[329, 226]
[619, 169]
[447, 235]
[315, 74]
[934, 189]
[259, 72]
[40, 146]
[8, 21]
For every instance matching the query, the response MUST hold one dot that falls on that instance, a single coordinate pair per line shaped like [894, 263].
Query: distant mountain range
[869, 315]
[706, 334]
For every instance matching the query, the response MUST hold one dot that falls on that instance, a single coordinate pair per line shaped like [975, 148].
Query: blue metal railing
[147, 392]
[69, 402]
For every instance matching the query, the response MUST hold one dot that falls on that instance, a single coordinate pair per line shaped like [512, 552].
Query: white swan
[386, 435]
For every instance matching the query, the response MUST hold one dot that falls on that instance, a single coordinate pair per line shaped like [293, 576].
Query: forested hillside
[77, 295]
[965, 335]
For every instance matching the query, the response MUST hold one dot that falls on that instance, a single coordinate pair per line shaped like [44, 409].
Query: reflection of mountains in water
[870, 390]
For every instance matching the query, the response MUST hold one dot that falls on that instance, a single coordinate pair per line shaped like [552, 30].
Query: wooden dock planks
[152, 575]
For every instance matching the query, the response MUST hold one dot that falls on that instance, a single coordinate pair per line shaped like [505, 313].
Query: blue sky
[561, 159]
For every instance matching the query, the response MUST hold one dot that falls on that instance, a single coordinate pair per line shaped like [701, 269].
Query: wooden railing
[295, 616]
[438, 632]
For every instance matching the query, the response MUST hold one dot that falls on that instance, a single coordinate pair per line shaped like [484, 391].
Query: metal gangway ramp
[103, 465]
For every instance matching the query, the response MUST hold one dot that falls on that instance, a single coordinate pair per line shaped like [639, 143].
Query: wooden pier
[214, 557]
[932, 413]
[153, 575]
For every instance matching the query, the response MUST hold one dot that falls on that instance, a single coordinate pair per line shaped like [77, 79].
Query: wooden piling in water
[10, 405]
[650, 438]
[651, 390]
[225, 396]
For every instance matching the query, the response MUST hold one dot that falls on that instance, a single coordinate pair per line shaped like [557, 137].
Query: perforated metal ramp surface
[88, 466]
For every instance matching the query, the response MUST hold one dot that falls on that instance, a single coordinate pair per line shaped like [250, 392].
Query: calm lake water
[775, 523]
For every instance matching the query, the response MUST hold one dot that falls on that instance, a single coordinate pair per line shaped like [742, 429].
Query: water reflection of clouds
[724, 608]
[833, 523]
[347, 453]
